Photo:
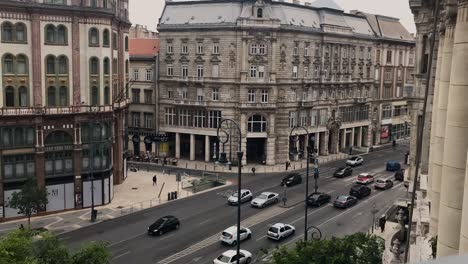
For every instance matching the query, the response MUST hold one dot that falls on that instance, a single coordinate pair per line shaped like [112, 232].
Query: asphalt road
[204, 216]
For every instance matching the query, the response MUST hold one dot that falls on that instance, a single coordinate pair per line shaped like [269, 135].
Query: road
[204, 216]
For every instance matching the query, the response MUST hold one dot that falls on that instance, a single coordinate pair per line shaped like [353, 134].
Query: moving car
[393, 165]
[344, 201]
[343, 172]
[355, 161]
[230, 257]
[400, 175]
[359, 191]
[279, 231]
[365, 178]
[163, 225]
[383, 184]
[265, 199]
[246, 195]
[292, 179]
[318, 199]
[229, 236]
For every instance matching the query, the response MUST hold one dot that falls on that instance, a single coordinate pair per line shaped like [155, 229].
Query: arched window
[8, 64]
[51, 96]
[106, 95]
[259, 13]
[50, 61]
[7, 31]
[20, 32]
[94, 66]
[105, 37]
[9, 96]
[62, 37]
[50, 34]
[63, 96]
[94, 96]
[63, 65]
[126, 43]
[93, 3]
[93, 37]
[21, 64]
[106, 66]
[23, 96]
[257, 123]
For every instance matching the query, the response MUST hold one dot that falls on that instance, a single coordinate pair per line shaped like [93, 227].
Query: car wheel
[292, 233]
[263, 205]
[276, 200]
[249, 236]
[248, 260]
[177, 226]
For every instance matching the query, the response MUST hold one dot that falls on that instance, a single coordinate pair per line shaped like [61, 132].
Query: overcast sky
[147, 12]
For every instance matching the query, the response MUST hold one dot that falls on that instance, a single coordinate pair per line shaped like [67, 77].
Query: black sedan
[164, 225]
[292, 179]
[343, 172]
[400, 175]
[318, 199]
[344, 201]
[359, 191]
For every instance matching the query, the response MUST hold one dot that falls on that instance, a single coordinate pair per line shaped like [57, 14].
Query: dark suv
[400, 175]
[359, 191]
[318, 199]
[292, 179]
[343, 172]
[163, 225]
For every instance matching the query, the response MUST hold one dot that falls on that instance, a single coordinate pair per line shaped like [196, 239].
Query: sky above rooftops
[147, 12]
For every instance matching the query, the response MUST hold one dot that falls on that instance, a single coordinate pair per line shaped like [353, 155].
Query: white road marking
[302, 217]
[121, 255]
[127, 239]
[166, 236]
[204, 222]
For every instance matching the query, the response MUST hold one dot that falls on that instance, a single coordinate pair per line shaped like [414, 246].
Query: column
[317, 142]
[359, 139]
[36, 59]
[456, 141]
[343, 139]
[464, 227]
[352, 137]
[76, 61]
[324, 138]
[177, 145]
[207, 148]
[192, 147]
[439, 138]
[77, 158]
[270, 154]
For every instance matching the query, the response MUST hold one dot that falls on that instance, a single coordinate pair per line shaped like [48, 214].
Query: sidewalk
[135, 194]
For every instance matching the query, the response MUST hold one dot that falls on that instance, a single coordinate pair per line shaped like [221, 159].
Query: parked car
[359, 191]
[291, 179]
[393, 165]
[318, 199]
[229, 236]
[164, 225]
[365, 178]
[343, 172]
[230, 257]
[345, 201]
[265, 199]
[279, 231]
[246, 196]
[383, 184]
[355, 161]
[400, 175]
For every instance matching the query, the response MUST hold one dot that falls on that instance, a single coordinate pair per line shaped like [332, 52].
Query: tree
[30, 199]
[359, 248]
[96, 253]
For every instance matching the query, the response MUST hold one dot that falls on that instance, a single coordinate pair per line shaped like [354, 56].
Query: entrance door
[256, 150]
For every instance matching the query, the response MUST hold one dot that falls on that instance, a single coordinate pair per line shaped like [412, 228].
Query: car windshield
[341, 198]
[226, 234]
[160, 222]
[224, 258]
[380, 181]
[340, 169]
[354, 158]
[315, 196]
[235, 194]
[262, 196]
[356, 188]
[273, 229]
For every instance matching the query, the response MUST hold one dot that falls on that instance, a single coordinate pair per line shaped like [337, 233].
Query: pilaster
[177, 145]
[207, 148]
[36, 59]
[192, 147]
[76, 62]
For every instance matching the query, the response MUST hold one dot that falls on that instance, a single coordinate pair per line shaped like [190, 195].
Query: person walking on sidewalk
[155, 180]
[253, 170]
[351, 150]
[394, 144]
[382, 222]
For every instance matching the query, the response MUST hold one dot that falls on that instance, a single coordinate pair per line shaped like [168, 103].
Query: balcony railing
[258, 105]
[190, 102]
[56, 110]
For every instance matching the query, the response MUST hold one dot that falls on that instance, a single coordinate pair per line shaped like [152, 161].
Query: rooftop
[143, 47]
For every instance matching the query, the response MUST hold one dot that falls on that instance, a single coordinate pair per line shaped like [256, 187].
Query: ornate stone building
[63, 74]
[273, 65]
[447, 141]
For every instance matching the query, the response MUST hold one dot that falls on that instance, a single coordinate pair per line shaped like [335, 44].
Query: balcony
[66, 110]
[257, 105]
[360, 100]
[190, 102]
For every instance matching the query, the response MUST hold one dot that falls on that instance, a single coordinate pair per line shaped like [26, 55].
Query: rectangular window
[253, 71]
[323, 115]
[253, 49]
[184, 49]
[184, 93]
[200, 72]
[148, 119]
[397, 110]
[200, 94]
[399, 75]
[262, 49]
[306, 51]
[388, 74]
[306, 71]
[295, 71]
[135, 96]
[292, 119]
[200, 49]
[169, 49]
[184, 72]
[377, 74]
[136, 74]
[386, 112]
[135, 119]
[215, 94]
[214, 119]
[251, 95]
[215, 49]
[169, 116]
[295, 51]
[199, 118]
[185, 117]
[400, 58]
[361, 52]
[389, 56]
[149, 75]
[369, 53]
[377, 56]
[170, 70]
[303, 118]
[170, 94]
[411, 59]
[261, 72]
[313, 118]
[264, 96]
[316, 71]
[387, 92]
[215, 71]
[148, 96]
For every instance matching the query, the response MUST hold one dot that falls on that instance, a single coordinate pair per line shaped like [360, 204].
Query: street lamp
[310, 152]
[224, 135]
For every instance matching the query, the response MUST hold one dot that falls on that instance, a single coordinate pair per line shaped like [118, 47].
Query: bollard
[168, 196]
[195, 166]
[175, 195]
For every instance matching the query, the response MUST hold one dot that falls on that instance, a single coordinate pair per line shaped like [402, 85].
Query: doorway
[256, 150]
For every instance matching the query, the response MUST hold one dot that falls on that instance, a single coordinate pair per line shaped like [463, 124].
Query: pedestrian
[394, 144]
[154, 180]
[21, 227]
[287, 164]
[253, 170]
[350, 150]
[382, 222]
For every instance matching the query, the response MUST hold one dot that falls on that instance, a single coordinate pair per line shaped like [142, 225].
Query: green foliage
[27, 247]
[30, 199]
[359, 248]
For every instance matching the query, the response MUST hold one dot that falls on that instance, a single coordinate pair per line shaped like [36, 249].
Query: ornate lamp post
[224, 135]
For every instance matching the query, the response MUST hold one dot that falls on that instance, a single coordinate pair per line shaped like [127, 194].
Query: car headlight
[155, 230]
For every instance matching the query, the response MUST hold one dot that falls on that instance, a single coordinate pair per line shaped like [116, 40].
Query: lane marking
[204, 222]
[121, 255]
[127, 239]
[167, 236]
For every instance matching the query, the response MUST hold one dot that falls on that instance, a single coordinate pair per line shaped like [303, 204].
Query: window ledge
[56, 44]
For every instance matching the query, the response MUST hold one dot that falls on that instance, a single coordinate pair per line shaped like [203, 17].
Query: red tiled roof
[143, 46]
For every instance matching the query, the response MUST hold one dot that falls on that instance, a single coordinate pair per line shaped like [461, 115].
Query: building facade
[142, 111]
[447, 141]
[272, 66]
[64, 65]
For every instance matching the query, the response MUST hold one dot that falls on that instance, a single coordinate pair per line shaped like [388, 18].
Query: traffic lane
[294, 217]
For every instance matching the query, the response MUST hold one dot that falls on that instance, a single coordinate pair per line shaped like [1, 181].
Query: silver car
[246, 195]
[265, 199]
